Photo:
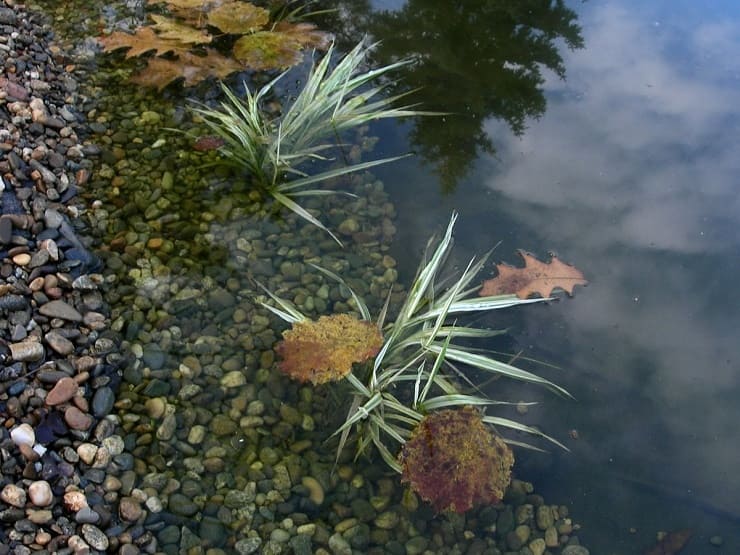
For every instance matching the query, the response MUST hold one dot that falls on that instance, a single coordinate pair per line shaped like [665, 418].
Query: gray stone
[575, 550]
[95, 537]
[60, 309]
[212, 530]
[59, 343]
[52, 218]
[339, 546]
[301, 544]
[6, 231]
[87, 516]
[181, 505]
[153, 356]
[102, 402]
[247, 546]
[7, 16]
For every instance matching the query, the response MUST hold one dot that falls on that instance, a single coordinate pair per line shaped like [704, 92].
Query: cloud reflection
[634, 170]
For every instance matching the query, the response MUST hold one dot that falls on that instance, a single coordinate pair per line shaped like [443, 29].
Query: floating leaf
[142, 41]
[671, 543]
[171, 29]
[535, 278]
[305, 33]
[268, 50]
[160, 72]
[324, 350]
[238, 18]
[454, 462]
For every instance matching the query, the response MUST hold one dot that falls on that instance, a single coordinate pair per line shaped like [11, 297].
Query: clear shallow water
[631, 174]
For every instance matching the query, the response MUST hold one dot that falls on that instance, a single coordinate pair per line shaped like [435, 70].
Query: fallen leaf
[238, 19]
[305, 33]
[170, 29]
[324, 350]
[535, 278]
[671, 543]
[160, 72]
[141, 42]
[268, 50]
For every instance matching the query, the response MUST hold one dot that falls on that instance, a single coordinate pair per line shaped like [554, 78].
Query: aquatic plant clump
[324, 350]
[421, 366]
[274, 152]
[454, 462]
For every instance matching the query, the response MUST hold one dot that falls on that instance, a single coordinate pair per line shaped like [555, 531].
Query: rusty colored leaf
[672, 543]
[536, 278]
[324, 350]
[268, 50]
[170, 29]
[454, 462]
[238, 18]
[141, 42]
[160, 72]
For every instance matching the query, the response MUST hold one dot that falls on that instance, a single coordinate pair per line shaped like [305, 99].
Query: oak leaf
[170, 29]
[535, 278]
[324, 350]
[160, 72]
[140, 42]
[238, 18]
[268, 50]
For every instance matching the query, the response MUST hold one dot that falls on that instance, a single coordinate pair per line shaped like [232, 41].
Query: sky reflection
[633, 173]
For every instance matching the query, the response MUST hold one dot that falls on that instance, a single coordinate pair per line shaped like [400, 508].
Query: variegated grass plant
[275, 152]
[421, 367]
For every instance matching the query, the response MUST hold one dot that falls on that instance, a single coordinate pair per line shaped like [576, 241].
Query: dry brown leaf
[268, 50]
[142, 41]
[238, 18]
[305, 33]
[170, 29]
[535, 278]
[160, 72]
[671, 543]
[324, 350]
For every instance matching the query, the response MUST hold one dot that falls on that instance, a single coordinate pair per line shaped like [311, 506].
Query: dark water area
[621, 157]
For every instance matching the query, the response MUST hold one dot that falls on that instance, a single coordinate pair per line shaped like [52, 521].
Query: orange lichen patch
[324, 350]
[454, 462]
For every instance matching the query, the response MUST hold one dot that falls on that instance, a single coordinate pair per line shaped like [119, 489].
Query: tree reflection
[476, 59]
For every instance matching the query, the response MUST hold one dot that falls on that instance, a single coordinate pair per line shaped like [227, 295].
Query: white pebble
[23, 435]
[39, 493]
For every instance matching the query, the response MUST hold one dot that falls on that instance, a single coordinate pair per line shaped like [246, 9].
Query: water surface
[630, 172]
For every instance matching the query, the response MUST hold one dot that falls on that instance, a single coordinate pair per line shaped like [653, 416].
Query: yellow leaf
[142, 41]
[238, 18]
[171, 29]
[268, 50]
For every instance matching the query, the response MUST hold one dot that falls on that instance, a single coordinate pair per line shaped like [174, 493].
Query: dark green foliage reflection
[477, 59]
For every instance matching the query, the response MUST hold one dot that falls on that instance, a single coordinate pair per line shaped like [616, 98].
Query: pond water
[630, 173]
[604, 132]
